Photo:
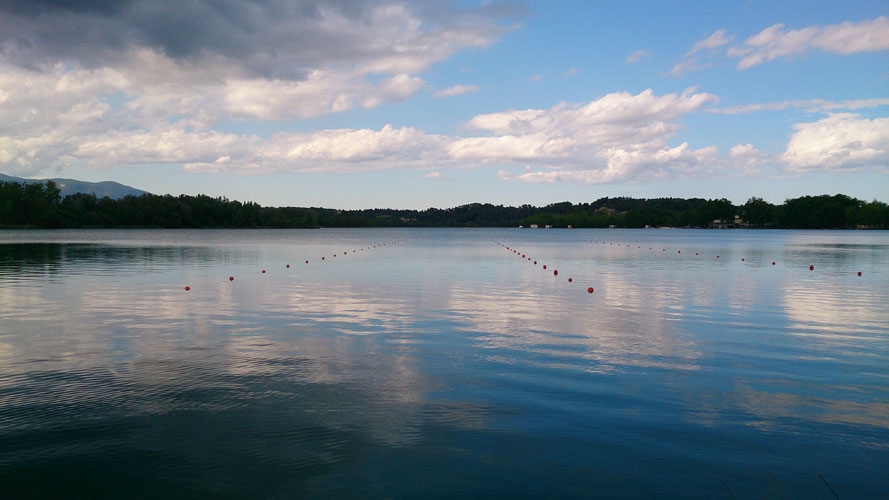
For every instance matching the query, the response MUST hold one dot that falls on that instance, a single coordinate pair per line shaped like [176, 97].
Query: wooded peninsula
[40, 205]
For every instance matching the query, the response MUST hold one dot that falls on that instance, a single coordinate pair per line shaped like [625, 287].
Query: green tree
[757, 212]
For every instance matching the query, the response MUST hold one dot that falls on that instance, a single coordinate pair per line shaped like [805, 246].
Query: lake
[444, 363]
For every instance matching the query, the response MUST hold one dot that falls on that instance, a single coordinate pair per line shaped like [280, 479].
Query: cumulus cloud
[457, 90]
[743, 150]
[618, 137]
[840, 141]
[259, 59]
[777, 42]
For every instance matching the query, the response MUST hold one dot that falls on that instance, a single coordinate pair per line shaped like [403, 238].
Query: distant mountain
[113, 190]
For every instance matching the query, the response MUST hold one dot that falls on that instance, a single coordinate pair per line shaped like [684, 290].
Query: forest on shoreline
[40, 205]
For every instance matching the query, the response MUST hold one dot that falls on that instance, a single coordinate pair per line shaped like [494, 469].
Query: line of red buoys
[743, 259]
[544, 267]
[264, 271]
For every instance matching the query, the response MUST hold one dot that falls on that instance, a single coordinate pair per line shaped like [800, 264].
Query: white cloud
[636, 56]
[117, 89]
[329, 57]
[687, 66]
[743, 150]
[160, 110]
[812, 105]
[618, 137]
[437, 176]
[714, 41]
[619, 165]
[690, 62]
[457, 90]
[747, 159]
[776, 42]
[840, 141]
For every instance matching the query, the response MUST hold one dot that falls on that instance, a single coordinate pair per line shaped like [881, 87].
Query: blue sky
[349, 104]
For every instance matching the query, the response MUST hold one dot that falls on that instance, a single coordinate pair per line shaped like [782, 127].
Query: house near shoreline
[724, 224]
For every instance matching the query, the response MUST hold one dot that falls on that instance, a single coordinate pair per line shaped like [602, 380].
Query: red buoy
[231, 278]
[187, 288]
[555, 272]
[773, 262]
[288, 266]
[544, 266]
[535, 262]
[570, 280]
[307, 262]
[589, 290]
[263, 271]
[322, 258]
[859, 273]
[811, 268]
[742, 260]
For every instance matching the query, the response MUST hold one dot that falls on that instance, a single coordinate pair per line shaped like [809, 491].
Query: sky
[356, 104]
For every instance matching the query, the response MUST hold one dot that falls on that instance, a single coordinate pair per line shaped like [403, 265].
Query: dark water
[440, 364]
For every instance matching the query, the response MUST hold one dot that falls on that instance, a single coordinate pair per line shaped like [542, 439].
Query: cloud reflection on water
[316, 363]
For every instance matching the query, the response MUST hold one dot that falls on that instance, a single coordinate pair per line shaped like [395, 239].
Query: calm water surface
[442, 364]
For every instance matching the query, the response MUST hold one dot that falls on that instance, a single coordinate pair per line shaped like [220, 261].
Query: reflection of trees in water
[30, 259]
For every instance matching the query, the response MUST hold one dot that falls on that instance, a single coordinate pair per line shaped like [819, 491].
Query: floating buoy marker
[555, 272]
[231, 278]
[589, 290]
[811, 268]
[187, 288]
[544, 266]
[570, 280]
[859, 273]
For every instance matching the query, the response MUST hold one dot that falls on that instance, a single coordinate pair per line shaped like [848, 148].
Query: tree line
[40, 205]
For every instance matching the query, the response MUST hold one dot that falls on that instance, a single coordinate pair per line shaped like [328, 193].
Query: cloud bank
[99, 84]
